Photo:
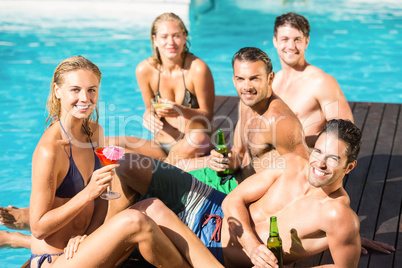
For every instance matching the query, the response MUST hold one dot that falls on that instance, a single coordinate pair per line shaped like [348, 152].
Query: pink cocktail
[108, 156]
[102, 157]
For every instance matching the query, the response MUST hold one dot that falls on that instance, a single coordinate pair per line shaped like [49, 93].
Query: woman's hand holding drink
[164, 107]
[101, 179]
[153, 121]
[109, 156]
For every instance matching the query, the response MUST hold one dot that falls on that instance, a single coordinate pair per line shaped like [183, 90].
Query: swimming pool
[358, 42]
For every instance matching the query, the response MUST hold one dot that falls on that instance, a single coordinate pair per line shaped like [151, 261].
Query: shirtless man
[267, 127]
[313, 95]
[306, 196]
[266, 124]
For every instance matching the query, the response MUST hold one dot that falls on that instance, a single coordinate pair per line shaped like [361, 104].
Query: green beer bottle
[222, 149]
[274, 242]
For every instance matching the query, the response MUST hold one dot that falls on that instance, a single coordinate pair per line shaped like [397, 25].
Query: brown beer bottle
[222, 149]
[274, 242]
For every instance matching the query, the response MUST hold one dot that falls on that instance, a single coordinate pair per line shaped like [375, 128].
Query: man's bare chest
[299, 99]
[257, 134]
[293, 232]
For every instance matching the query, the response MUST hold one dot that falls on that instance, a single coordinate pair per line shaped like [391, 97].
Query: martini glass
[109, 195]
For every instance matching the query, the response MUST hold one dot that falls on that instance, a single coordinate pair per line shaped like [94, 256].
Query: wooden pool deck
[374, 186]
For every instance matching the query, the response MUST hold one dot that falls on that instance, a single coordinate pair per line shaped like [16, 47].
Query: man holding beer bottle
[266, 128]
[306, 196]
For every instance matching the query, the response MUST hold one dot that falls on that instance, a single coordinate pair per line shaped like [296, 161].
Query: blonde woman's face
[169, 39]
[78, 94]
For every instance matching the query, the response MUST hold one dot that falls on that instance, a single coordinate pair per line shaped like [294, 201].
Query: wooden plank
[357, 177]
[352, 105]
[326, 258]
[398, 252]
[360, 112]
[221, 107]
[27, 264]
[371, 198]
[389, 215]
[219, 102]
[224, 112]
[226, 118]
[230, 123]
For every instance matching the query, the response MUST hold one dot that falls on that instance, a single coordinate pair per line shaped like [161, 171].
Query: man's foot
[15, 218]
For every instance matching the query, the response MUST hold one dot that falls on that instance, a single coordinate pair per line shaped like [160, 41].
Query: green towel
[209, 177]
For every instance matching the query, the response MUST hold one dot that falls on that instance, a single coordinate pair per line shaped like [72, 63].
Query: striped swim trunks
[195, 203]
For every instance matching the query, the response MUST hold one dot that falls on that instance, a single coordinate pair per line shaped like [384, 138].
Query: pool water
[358, 42]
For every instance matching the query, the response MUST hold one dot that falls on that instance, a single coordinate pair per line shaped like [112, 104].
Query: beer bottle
[274, 242]
[222, 149]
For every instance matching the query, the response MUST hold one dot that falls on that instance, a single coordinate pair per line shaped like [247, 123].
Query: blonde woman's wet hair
[53, 103]
[156, 57]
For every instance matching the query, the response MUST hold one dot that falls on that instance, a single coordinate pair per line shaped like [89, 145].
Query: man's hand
[262, 257]
[218, 162]
[375, 245]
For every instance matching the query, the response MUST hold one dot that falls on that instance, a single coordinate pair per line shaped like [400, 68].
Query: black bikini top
[189, 100]
[73, 182]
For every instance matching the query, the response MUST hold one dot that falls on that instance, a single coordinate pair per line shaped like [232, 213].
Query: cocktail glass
[109, 194]
[159, 103]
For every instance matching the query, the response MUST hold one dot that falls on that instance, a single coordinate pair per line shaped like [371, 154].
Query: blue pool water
[358, 42]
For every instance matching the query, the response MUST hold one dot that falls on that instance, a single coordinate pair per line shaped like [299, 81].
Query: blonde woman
[178, 77]
[67, 217]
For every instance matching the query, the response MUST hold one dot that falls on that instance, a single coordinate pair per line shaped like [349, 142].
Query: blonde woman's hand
[152, 122]
[170, 110]
[100, 180]
[72, 246]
